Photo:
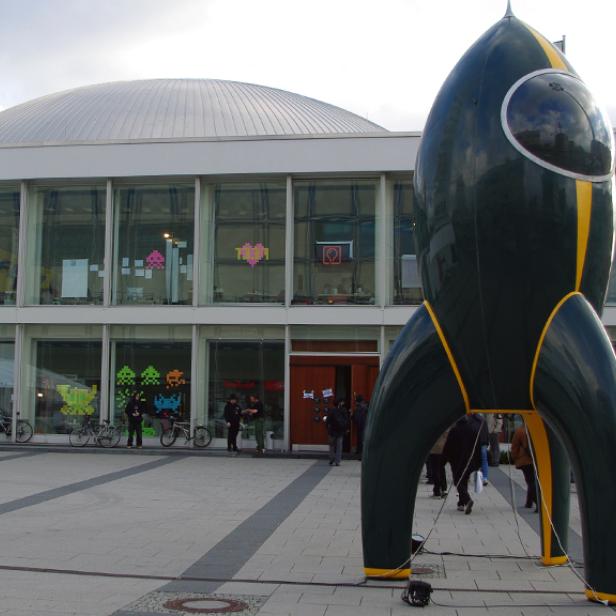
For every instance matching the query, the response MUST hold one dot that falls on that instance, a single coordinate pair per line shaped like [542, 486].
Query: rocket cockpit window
[552, 118]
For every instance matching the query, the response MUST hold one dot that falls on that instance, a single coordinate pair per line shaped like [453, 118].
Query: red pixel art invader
[332, 255]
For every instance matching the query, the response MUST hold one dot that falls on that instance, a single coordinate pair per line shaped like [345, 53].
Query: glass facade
[334, 242]
[7, 357]
[66, 245]
[153, 244]
[9, 242]
[249, 231]
[246, 367]
[160, 372]
[66, 384]
[407, 283]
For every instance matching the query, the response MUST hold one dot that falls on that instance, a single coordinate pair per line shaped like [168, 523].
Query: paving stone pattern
[284, 532]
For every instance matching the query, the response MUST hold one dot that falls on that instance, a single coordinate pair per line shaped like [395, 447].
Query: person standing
[337, 424]
[463, 453]
[484, 439]
[255, 410]
[135, 410]
[359, 419]
[436, 462]
[233, 416]
[520, 453]
[494, 422]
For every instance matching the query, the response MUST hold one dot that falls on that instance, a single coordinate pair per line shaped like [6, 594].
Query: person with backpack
[522, 458]
[337, 424]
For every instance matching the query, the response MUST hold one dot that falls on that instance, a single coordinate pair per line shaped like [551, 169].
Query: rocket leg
[415, 399]
[573, 387]
[552, 491]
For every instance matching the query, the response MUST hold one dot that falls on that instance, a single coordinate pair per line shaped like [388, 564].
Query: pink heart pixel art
[155, 260]
[252, 254]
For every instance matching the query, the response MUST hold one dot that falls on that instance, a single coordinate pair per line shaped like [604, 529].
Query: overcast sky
[384, 60]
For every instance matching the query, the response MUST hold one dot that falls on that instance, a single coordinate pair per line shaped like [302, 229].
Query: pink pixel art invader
[155, 260]
[252, 254]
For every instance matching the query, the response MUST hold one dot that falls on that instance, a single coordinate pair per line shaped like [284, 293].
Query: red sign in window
[332, 255]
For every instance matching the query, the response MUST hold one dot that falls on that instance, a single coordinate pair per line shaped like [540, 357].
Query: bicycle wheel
[105, 436]
[202, 437]
[116, 436]
[167, 438]
[79, 437]
[23, 432]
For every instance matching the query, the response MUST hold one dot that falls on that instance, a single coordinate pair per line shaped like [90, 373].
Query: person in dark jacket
[337, 423]
[135, 410]
[359, 419]
[257, 416]
[233, 416]
[463, 453]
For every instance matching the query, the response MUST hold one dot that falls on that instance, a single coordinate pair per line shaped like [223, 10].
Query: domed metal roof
[173, 109]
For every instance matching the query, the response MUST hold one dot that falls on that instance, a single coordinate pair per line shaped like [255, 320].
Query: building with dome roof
[191, 238]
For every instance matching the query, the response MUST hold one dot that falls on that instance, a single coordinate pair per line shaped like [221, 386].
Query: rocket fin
[573, 387]
[417, 397]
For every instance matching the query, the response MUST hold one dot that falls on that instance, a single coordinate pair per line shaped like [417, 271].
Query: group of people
[471, 445]
[338, 422]
[234, 415]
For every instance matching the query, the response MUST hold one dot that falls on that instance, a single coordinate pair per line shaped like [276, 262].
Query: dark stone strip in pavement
[24, 454]
[500, 480]
[71, 488]
[229, 555]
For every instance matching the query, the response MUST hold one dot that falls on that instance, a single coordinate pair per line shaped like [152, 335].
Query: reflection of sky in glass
[555, 117]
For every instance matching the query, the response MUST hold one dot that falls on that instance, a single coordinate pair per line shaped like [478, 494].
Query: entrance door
[344, 376]
[307, 425]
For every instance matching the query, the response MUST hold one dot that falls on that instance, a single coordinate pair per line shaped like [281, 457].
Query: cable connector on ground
[417, 593]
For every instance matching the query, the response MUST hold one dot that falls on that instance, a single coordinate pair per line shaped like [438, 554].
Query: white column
[195, 375]
[17, 377]
[196, 269]
[105, 365]
[22, 251]
[289, 245]
[108, 258]
[286, 443]
[381, 237]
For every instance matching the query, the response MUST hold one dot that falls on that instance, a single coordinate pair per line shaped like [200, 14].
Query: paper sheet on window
[74, 277]
[148, 274]
[189, 267]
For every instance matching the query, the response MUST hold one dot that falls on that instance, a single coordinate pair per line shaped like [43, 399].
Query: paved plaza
[145, 533]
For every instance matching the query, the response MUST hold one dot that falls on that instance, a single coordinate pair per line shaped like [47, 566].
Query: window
[159, 371]
[66, 384]
[249, 242]
[243, 368]
[66, 244]
[407, 284]
[9, 237]
[153, 251]
[334, 242]
[7, 358]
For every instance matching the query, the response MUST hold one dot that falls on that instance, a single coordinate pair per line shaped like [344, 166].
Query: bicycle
[105, 435]
[201, 437]
[23, 429]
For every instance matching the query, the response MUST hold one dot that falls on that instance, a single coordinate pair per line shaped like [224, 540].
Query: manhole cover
[213, 605]
[189, 603]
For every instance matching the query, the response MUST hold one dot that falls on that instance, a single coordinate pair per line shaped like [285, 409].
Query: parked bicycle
[104, 434]
[23, 429]
[201, 436]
